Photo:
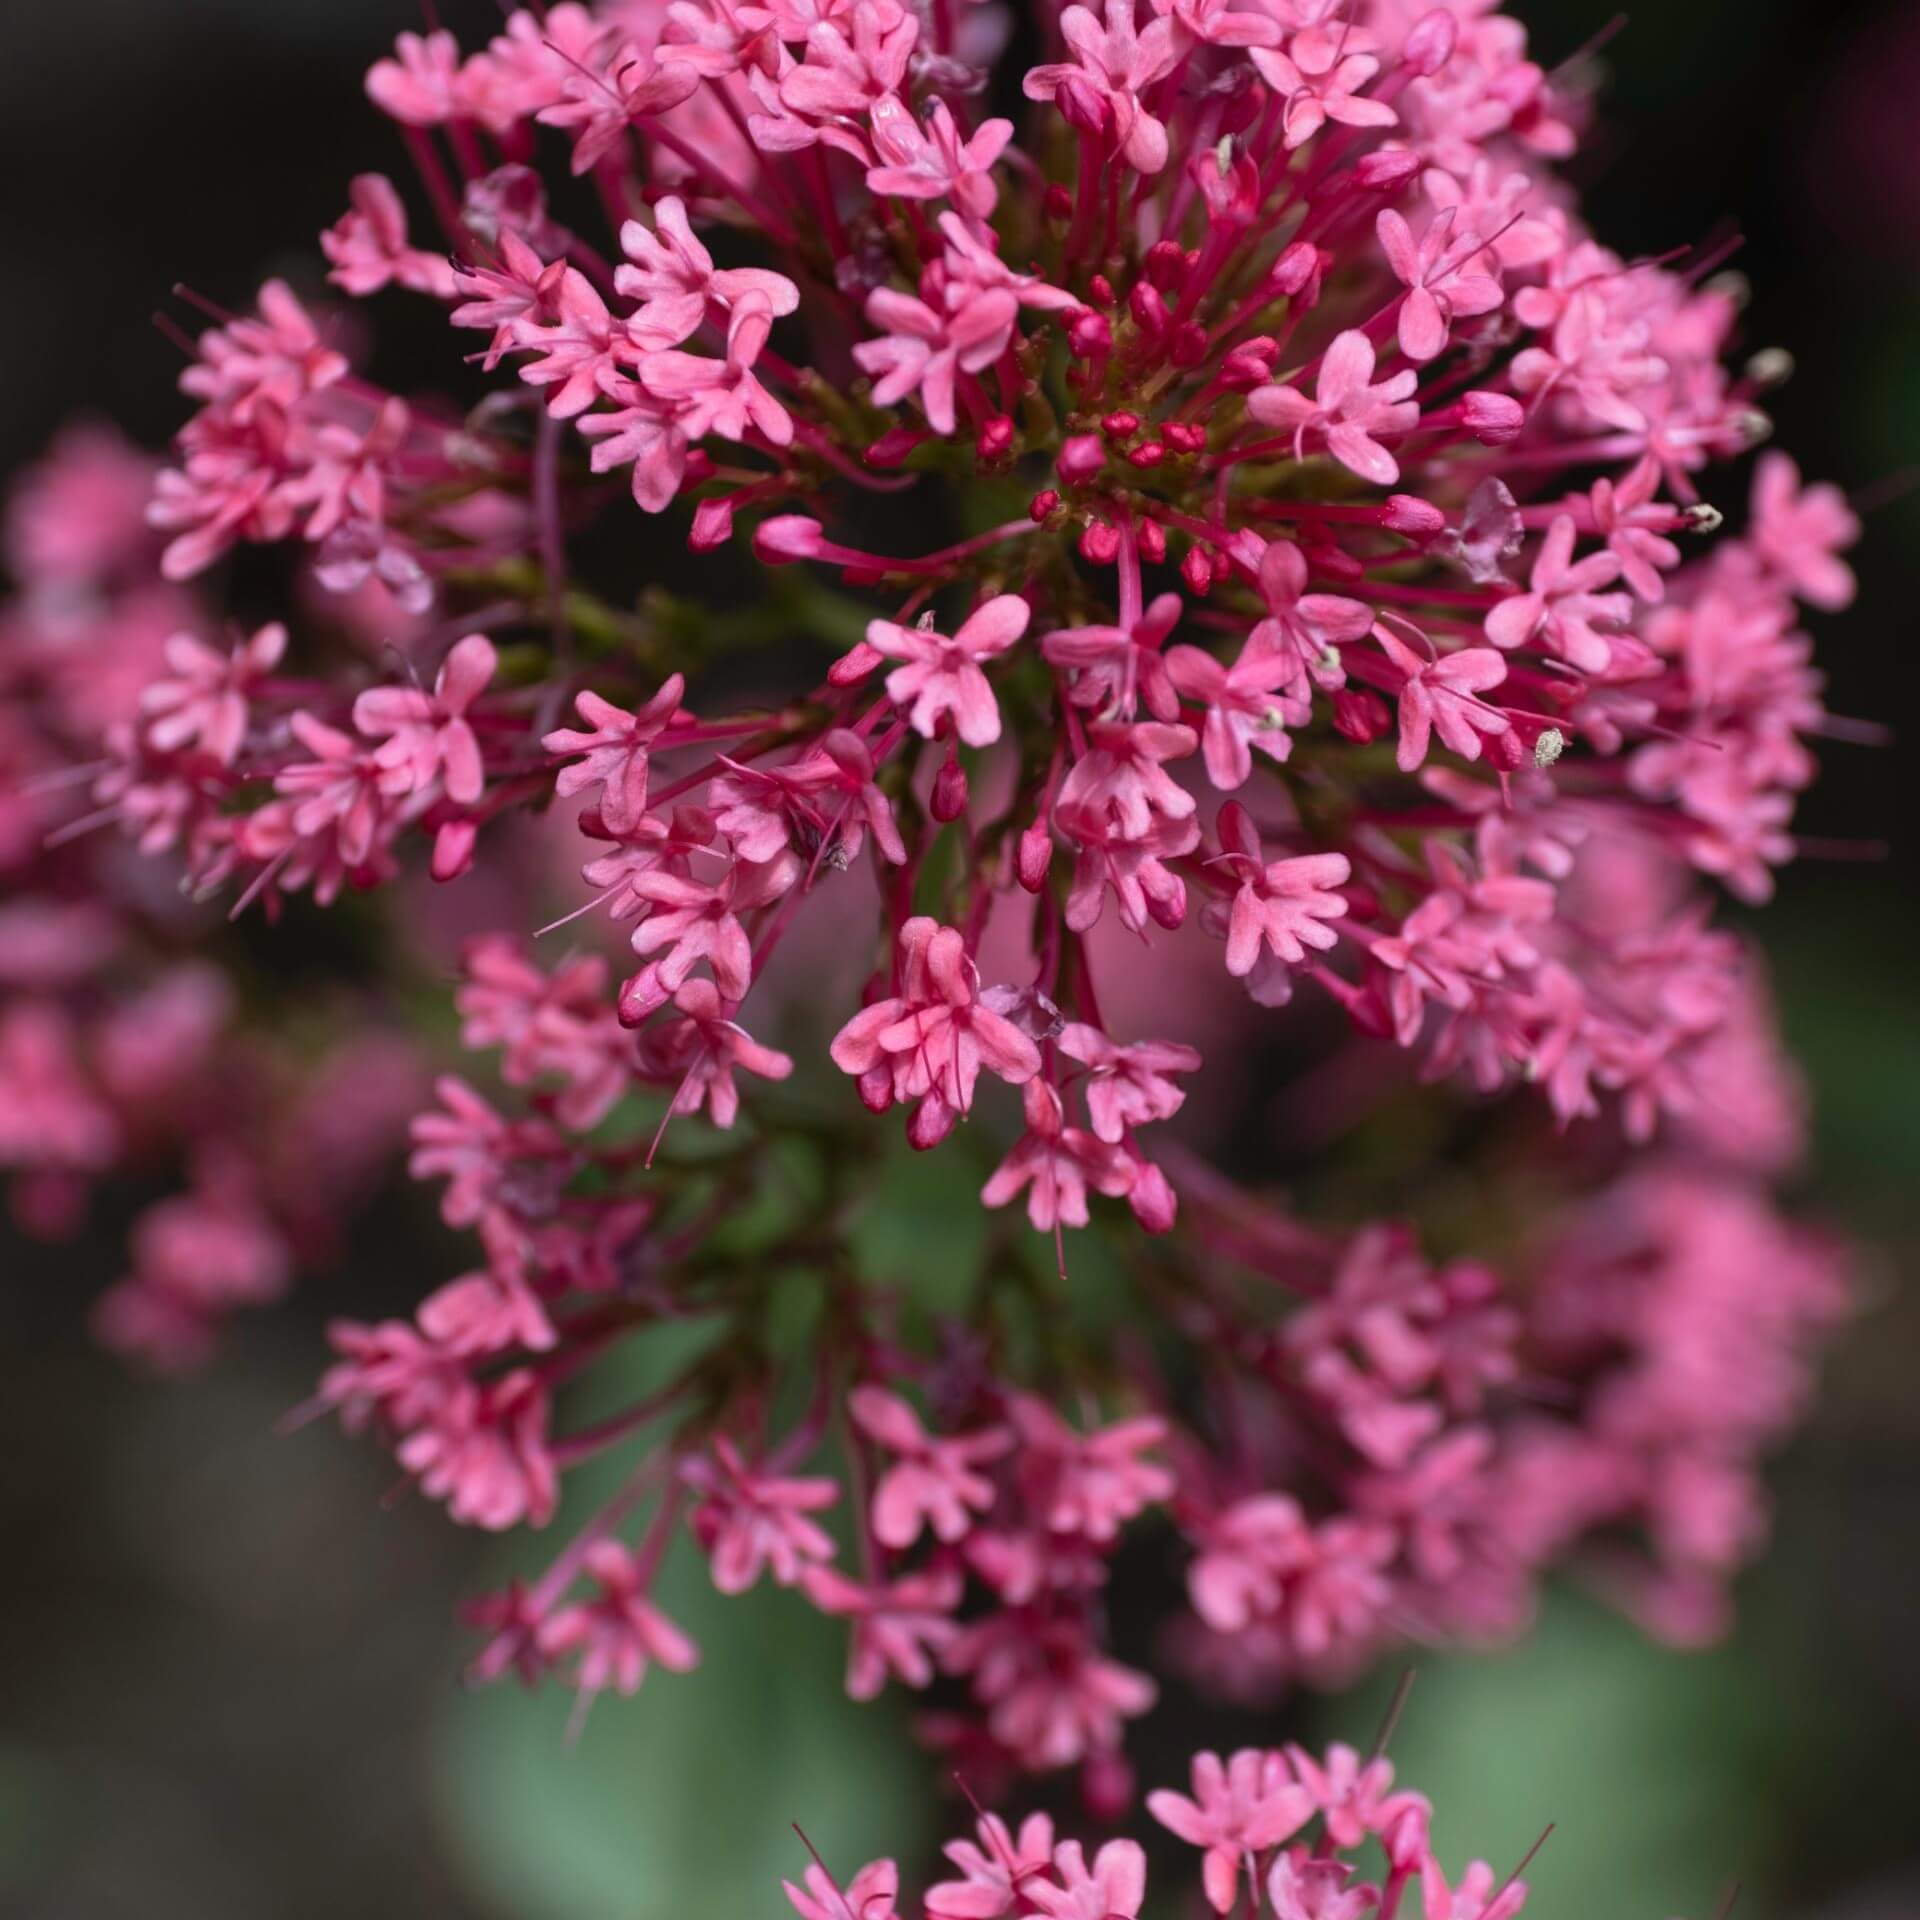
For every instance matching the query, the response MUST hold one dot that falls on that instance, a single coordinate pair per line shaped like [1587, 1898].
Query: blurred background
[227, 1672]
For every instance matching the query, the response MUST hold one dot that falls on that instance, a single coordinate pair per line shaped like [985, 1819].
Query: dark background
[226, 1674]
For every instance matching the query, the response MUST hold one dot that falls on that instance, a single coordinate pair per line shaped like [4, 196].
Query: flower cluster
[1277, 1832]
[1233, 542]
[122, 1049]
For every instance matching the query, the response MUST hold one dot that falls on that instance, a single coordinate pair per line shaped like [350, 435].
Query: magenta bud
[1152, 1198]
[1149, 455]
[1386, 170]
[1081, 458]
[453, 849]
[1153, 541]
[788, 537]
[1166, 264]
[1197, 571]
[712, 525]
[1430, 45]
[1107, 1786]
[1406, 513]
[853, 666]
[893, 446]
[1148, 309]
[949, 800]
[1100, 544]
[1492, 418]
[1102, 290]
[641, 994]
[1043, 506]
[1089, 335]
[1059, 203]
[1034, 856]
[1121, 425]
[996, 437]
[1296, 269]
[932, 1121]
[1189, 344]
[1360, 716]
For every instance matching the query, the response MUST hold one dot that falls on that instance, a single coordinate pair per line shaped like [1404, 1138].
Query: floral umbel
[1163, 645]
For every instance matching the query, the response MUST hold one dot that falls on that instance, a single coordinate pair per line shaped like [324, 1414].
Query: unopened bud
[1197, 571]
[949, 799]
[996, 437]
[1034, 856]
[1100, 544]
[1080, 458]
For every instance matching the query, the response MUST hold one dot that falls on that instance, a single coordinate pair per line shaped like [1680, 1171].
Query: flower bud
[949, 800]
[1492, 418]
[1360, 716]
[1034, 856]
[1080, 458]
[1430, 45]
[712, 525]
[788, 537]
[1197, 571]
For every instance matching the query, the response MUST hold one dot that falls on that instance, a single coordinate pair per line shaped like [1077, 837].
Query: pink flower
[1115, 66]
[491, 1310]
[1238, 1809]
[924, 348]
[1439, 291]
[694, 921]
[485, 1454]
[614, 752]
[845, 75]
[942, 676]
[1055, 1164]
[1478, 1896]
[429, 734]
[1308, 628]
[929, 1041]
[1244, 707]
[1799, 532]
[369, 250]
[995, 1873]
[1111, 1889]
[614, 1637]
[1563, 604]
[576, 347]
[933, 1482]
[598, 108]
[869, 1895]
[1127, 1086]
[1087, 1484]
[722, 396]
[1121, 780]
[418, 85]
[749, 1521]
[897, 1629]
[645, 433]
[1286, 904]
[935, 163]
[203, 701]
[1438, 696]
[1348, 409]
[1113, 668]
[706, 1047]
[1317, 83]
[674, 279]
